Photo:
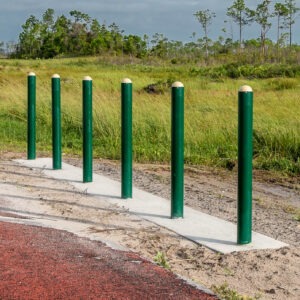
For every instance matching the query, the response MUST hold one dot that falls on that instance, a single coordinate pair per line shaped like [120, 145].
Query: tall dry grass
[210, 113]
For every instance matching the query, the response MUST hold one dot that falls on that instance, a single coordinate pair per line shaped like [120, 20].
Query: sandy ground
[267, 274]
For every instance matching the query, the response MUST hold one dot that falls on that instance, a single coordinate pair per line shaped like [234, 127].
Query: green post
[245, 151]
[56, 122]
[126, 138]
[31, 116]
[87, 130]
[177, 151]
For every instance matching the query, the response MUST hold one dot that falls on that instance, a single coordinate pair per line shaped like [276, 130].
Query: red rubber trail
[43, 263]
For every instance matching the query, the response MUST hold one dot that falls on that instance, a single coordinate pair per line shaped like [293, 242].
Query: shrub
[279, 84]
[236, 70]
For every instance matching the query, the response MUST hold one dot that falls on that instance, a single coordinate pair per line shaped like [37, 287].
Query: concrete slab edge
[259, 241]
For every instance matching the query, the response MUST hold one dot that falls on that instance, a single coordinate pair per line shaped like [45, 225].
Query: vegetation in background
[241, 15]
[205, 18]
[212, 72]
[80, 35]
[210, 111]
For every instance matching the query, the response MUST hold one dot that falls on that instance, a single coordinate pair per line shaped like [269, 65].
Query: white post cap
[87, 78]
[31, 74]
[55, 76]
[126, 80]
[245, 88]
[177, 84]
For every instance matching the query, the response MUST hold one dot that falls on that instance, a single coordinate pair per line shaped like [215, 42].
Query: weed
[289, 209]
[225, 293]
[161, 260]
[297, 215]
[228, 272]
[260, 202]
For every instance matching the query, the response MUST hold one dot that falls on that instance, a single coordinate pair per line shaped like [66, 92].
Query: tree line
[285, 14]
[79, 34]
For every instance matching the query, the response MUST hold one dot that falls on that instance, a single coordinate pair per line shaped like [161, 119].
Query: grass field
[210, 112]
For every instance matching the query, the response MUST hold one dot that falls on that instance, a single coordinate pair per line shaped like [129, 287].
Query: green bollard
[245, 152]
[177, 151]
[31, 116]
[56, 122]
[126, 138]
[87, 129]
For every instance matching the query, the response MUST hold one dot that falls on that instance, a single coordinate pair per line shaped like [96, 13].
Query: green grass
[225, 293]
[161, 260]
[210, 112]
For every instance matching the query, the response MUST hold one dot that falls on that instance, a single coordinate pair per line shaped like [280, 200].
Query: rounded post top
[177, 84]
[55, 76]
[245, 89]
[87, 78]
[126, 80]
[31, 74]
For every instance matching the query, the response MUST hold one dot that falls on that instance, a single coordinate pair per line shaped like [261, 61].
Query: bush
[236, 70]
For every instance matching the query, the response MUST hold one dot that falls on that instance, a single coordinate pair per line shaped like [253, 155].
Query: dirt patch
[266, 274]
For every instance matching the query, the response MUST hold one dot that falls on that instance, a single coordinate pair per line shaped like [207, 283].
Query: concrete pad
[212, 232]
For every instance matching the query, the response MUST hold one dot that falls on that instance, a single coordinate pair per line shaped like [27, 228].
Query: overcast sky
[173, 18]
